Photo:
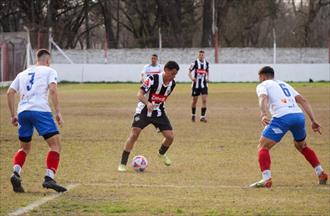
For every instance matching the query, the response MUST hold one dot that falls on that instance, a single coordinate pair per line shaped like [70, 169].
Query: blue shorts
[42, 121]
[278, 127]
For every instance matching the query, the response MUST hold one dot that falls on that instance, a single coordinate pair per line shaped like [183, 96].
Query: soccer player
[281, 100]
[149, 69]
[199, 79]
[150, 110]
[33, 111]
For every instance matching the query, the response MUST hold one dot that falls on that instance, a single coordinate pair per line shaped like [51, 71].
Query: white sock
[266, 174]
[17, 168]
[50, 173]
[318, 170]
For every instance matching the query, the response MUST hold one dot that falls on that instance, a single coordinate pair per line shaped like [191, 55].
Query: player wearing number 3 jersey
[150, 110]
[281, 100]
[33, 111]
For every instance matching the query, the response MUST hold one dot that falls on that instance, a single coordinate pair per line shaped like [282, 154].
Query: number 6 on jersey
[285, 90]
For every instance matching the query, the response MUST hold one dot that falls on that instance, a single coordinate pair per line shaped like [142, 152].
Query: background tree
[183, 23]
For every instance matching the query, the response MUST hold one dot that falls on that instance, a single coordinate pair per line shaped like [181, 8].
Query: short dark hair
[155, 55]
[42, 52]
[268, 71]
[201, 51]
[172, 65]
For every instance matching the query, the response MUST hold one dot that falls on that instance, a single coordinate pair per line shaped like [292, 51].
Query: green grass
[212, 163]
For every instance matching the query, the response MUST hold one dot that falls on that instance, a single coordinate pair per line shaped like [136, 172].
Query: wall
[187, 55]
[218, 72]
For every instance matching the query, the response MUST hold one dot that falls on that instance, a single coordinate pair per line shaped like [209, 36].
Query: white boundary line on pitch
[40, 202]
[187, 186]
[160, 186]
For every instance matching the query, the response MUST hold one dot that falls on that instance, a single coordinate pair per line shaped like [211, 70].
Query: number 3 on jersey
[29, 86]
[285, 89]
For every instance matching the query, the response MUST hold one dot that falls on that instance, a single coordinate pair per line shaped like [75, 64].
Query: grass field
[212, 163]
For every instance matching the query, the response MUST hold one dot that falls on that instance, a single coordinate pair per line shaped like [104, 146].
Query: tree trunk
[107, 16]
[207, 24]
[88, 43]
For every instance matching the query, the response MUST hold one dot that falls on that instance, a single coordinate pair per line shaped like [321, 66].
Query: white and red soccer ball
[139, 163]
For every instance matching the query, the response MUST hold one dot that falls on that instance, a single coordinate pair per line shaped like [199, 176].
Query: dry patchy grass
[212, 163]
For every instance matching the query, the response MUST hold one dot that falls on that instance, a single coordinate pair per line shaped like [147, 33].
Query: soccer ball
[139, 163]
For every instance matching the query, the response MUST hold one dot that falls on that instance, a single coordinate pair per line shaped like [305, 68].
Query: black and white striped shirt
[156, 92]
[201, 70]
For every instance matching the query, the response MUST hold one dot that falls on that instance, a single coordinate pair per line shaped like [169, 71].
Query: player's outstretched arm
[306, 106]
[11, 104]
[55, 100]
[263, 105]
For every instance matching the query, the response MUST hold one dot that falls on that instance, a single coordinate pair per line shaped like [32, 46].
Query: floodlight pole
[160, 42]
[105, 46]
[50, 33]
[28, 47]
[274, 46]
[329, 45]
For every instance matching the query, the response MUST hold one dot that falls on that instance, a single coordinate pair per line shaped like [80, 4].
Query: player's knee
[134, 134]
[263, 145]
[54, 143]
[50, 135]
[170, 137]
[26, 148]
[25, 145]
[55, 147]
[133, 137]
[300, 145]
[25, 139]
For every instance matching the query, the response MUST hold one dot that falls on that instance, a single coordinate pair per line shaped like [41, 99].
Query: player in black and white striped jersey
[199, 75]
[150, 110]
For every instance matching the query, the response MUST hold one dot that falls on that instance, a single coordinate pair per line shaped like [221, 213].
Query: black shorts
[199, 91]
[142, 121]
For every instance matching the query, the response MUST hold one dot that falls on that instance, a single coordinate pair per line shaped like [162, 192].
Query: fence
[12, 55]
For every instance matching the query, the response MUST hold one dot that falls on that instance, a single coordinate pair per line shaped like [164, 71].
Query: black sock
[124, 157]
[163, 149]
[203, 111]
[193, 110]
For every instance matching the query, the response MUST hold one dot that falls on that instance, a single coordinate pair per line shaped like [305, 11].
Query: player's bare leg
[193, 108]
[264, 146]
[18, 162]
[129, 144]
[53, 159]
[203, 110]
[311, 157]
[167, 142]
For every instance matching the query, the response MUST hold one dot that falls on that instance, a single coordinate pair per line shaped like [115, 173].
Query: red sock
[264, 159]
[19, 158]
[310, 156]
[53, 159]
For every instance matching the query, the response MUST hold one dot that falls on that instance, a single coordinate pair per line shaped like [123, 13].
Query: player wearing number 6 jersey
[281, 100]
[150, 110]
[33, 111]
